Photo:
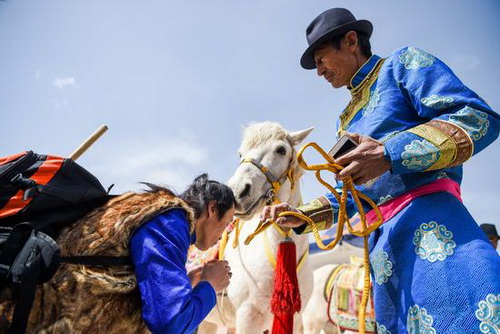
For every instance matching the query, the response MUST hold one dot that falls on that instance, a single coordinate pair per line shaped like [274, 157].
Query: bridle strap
[275, 182]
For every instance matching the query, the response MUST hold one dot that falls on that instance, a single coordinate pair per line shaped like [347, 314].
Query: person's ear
[351, 39]
[212, 209]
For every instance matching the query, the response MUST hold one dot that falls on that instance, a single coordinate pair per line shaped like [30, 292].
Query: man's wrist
[300, 229]
[320, 211]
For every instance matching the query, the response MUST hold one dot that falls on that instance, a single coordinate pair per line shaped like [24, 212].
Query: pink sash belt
[391, 208]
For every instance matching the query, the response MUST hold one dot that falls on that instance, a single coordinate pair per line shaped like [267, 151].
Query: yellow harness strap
[223, 244]
[343, 218]
[281, 231]
[238, 224]
[272, 259]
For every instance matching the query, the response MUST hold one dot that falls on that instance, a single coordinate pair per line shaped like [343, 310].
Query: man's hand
[217, 273]
[365, 162]
[272, 212]
[195, 275]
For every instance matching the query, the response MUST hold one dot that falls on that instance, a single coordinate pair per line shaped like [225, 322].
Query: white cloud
[65, 82]
[175, 177]
[174, 163]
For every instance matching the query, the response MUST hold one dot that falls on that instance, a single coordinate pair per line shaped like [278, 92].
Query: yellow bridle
[276, 184]
[343, 218]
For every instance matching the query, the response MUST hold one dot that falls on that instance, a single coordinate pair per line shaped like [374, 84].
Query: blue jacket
[429, 121]
[159, 253]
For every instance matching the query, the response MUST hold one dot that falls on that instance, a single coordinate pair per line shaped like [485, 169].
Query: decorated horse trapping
[343, 292]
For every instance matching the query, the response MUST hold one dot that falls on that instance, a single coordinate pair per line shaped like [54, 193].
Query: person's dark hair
[202, 191]
[363, 42]
[153, 188]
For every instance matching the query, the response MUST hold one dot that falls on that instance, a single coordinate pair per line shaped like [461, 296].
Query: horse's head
[268, 167]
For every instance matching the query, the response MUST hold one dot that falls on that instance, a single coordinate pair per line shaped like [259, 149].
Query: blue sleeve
[159, 252]
[457, 123]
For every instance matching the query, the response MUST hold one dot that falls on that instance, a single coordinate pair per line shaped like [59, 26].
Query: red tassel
[286, 296]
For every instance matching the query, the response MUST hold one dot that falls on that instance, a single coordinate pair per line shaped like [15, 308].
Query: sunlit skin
[209, 227]
[339, 66]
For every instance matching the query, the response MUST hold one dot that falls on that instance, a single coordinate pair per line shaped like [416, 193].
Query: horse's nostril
[245, 191]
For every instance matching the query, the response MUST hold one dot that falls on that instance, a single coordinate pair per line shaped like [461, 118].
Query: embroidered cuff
[409, 153]
[320, 211]
[454, 144]
[434, 145]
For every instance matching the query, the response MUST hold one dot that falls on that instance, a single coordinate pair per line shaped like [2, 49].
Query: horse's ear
[297, 137]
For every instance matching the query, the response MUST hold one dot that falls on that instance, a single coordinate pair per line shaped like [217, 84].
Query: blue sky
[176, 80]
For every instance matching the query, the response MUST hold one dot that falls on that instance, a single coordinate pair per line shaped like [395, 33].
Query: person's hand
[365, 162]
[195, 275]
[217, 273]
[272, 212]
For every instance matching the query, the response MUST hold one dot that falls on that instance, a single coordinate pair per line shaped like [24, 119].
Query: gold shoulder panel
[360, 96]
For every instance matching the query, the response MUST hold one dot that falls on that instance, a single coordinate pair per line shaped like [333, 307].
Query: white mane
[258, 133]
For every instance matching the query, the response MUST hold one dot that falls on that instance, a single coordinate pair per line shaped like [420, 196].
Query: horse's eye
[239, 154]
[281, 150]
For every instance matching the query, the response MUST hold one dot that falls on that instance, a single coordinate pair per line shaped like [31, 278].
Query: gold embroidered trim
[445, 144]
[320, 211]
[464, 143]
[360, 96]
[359, 69]
[453, 142]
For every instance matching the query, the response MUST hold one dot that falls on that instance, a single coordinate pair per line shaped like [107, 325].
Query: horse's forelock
[258, 133]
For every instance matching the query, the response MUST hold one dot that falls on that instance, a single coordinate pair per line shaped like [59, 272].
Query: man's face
[210, 230]
[336, 66]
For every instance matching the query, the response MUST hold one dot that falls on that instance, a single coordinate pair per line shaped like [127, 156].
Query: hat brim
[363, 26]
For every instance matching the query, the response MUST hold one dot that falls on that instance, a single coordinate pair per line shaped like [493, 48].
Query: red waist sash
[391, 208]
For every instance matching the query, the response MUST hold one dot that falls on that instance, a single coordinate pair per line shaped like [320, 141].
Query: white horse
[315, 313]
[269, 155]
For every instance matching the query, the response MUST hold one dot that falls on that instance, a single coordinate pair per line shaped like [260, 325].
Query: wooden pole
[88, 142]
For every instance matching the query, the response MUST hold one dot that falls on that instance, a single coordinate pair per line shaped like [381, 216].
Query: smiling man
[416, 123]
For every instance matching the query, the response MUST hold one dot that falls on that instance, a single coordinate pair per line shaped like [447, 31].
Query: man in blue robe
[416, 123]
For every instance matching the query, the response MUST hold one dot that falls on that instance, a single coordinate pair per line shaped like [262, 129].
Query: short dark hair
[202, 191]
[363, 42]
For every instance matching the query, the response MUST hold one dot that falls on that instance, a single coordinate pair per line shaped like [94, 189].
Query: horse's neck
[292, 197]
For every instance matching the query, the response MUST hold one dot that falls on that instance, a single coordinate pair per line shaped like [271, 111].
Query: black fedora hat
[489, 229]
[330, 23]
